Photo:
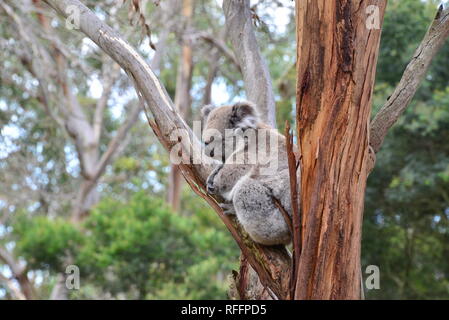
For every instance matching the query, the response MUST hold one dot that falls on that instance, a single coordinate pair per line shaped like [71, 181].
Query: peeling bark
[337, 56]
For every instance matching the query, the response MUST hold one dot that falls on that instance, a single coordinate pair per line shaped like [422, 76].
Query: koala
[249, 187]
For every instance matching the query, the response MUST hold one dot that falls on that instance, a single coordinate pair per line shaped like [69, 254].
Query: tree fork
[337, 57]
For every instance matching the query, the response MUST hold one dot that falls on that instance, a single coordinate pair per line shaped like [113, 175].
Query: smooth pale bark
[86, 133]
[259, 89]
[272, 264]
[337, 56]
[183, 101]
[256, 76]
[19, 273]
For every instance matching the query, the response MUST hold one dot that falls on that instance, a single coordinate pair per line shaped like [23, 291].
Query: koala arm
[210, 186]
[228, 207]
[225, 178]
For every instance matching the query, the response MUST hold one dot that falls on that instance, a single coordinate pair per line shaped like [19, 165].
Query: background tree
[40, 160]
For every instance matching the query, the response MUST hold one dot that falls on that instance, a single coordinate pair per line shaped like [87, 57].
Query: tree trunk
[182, 102]
[336, 66]
[256, 74]
[337, 57]
[246, 284]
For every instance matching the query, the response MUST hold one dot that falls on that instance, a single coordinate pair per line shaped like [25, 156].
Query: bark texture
[337, 56]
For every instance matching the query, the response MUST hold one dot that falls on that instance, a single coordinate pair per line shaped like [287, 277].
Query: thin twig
[287, 218]
[296, 216]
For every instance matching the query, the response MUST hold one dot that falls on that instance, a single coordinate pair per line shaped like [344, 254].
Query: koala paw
[228, 208]
[210, 187]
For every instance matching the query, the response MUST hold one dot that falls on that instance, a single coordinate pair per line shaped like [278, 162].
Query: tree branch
[211, 75]
[167, 9]
[35, 59]
[12, 287]
[8, 259]
[221, 45]
[108, 82]
[413, 75]
[271, 263]
[115, 143]
[256, 75]
[19, 273]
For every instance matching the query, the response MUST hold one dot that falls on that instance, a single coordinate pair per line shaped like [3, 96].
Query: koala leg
[258, 214]
[213, 187]
[228, 208]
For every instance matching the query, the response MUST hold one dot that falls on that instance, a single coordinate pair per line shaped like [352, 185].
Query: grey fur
[248, 192]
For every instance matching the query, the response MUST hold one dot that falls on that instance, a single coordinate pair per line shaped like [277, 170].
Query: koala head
[221, 123]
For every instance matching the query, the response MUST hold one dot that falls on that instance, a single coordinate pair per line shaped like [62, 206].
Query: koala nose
[210, 188]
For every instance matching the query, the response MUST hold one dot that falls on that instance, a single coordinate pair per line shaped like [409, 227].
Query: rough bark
[337, 57]
[247, 285]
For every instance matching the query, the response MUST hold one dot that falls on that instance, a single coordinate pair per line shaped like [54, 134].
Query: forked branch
[413, 75]
[271, 263]
[256, 75]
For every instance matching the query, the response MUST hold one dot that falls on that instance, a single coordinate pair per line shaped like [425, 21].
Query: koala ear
[244, 115]
[205, 111]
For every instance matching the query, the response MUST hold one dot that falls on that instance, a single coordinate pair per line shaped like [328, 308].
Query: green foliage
[138, 249]
[142, 246]
[46, 243]
[133, 246]
[127, 245]
[406, 22]
[406, 224]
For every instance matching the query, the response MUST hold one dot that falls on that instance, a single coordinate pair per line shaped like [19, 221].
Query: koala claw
[210, 188]
[228, 208]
